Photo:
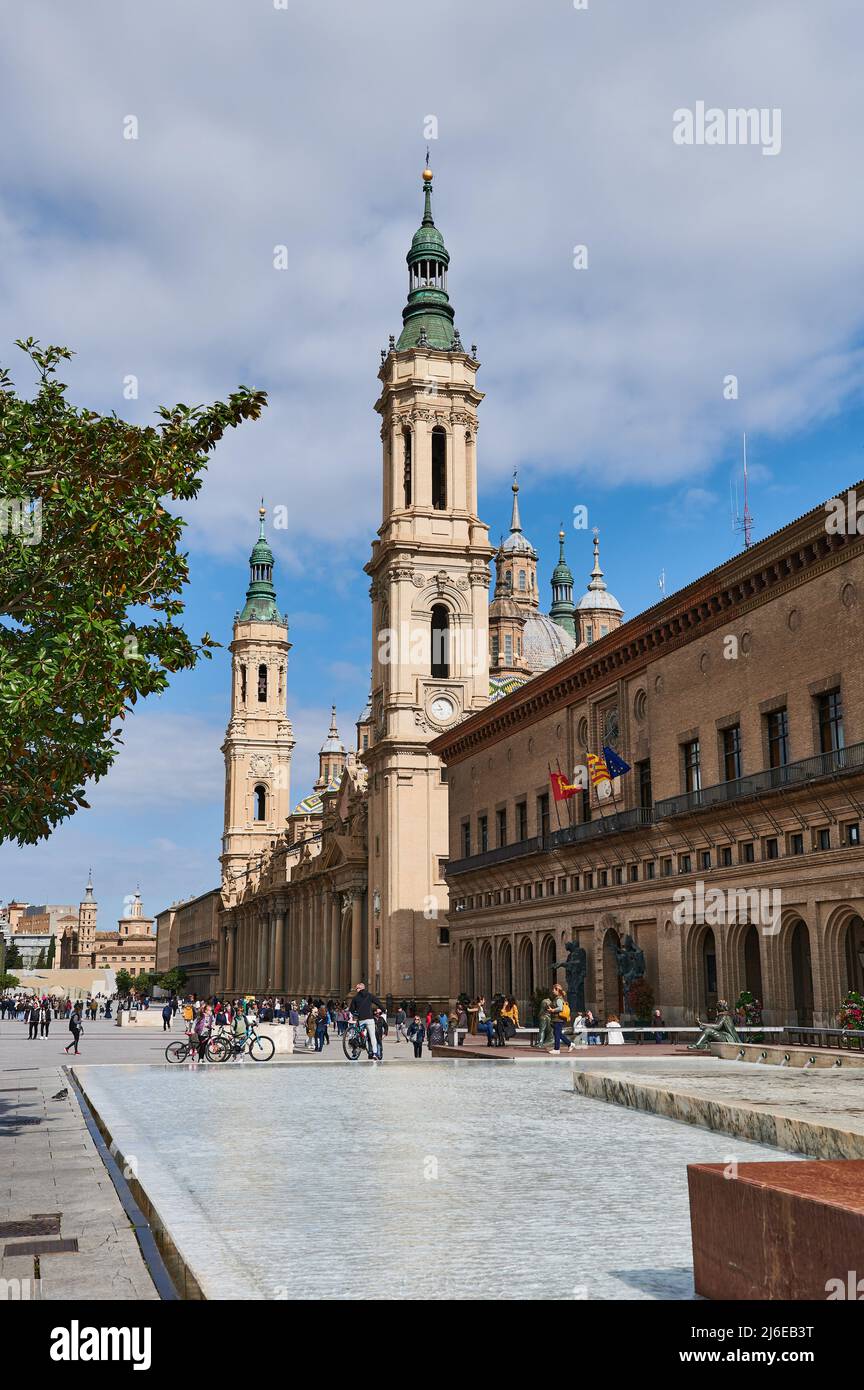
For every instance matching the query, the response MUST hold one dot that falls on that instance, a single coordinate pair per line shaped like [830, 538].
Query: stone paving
[452, 1180]
[819, 1113]
[49, 1164]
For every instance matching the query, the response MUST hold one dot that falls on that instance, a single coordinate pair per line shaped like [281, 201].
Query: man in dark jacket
[362, 1007]
[32, 1016]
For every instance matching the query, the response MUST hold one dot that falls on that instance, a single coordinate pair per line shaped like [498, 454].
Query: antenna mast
[744, 523]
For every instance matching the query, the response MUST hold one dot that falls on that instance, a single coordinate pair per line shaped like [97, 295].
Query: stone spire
[331, 757]
[515, 520]
[427, 318]
[563, 608]
[597, 580]
[260, 603]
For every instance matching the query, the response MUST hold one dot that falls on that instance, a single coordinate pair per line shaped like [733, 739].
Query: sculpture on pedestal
[631, 967]
[575, 968]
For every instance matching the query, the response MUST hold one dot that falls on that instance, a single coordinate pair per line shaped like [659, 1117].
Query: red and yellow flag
[562, 790]
[597, 769]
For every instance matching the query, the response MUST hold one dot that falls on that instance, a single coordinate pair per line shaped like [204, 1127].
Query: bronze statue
[721, 1031]
[631, 967]
[575, 968]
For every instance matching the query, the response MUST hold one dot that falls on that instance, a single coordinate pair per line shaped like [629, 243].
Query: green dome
[260, 605]
[427, 319]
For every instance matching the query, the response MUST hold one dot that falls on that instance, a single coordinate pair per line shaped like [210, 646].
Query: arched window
[243, 684]
[406, 472]
[440, 642]
[260, 802]
[262, 684]
[439, 468]
[522, 584]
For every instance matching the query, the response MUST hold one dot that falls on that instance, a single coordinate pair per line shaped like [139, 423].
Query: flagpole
[554, 797]
[569, 799]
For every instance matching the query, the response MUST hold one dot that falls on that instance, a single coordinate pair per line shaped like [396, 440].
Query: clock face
[442, 708]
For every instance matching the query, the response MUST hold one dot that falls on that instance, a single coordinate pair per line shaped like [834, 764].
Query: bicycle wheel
[218, 1050]
[261, 1049]
[352, 1044]
[177, 1051]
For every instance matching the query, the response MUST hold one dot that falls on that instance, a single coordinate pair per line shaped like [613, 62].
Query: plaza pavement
[50, 1165]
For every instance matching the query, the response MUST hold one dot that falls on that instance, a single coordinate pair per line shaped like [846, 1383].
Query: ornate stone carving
[260, 764]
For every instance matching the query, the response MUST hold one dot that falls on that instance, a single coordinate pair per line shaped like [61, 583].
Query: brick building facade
[739, 703]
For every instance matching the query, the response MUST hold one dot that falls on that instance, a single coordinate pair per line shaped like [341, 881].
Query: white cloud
[304, 127]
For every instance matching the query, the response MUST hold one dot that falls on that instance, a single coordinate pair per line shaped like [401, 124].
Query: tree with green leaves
[14, 959]
[52, 952]
[91, 581]
[8, 981]
[174, 980]
[125, 982]
[40, 960]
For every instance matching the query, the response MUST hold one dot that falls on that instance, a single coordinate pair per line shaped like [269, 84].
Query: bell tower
[429, 575]
[259, 738]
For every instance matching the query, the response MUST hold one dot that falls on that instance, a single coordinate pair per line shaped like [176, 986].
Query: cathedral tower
[259, 739]
[85, 937]
[429, 576]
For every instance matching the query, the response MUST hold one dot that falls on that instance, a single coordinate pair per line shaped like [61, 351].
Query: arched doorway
[752, 965]
[505, 969]
[802, 975]
[708, 971]
[525, 977]
[613, 1000]
[854, 952]
[545, 973]
[468, 973]
[484, 981]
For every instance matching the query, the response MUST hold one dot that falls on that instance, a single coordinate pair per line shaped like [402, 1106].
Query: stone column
[334, 924]
[229, 956]
[356, 938]
[279, 950]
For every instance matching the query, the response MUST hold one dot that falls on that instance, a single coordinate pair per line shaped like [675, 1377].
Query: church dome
[544, 643]
[597, 596]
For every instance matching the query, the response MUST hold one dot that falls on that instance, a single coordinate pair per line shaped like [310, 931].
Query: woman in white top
[578, 1030]
[614, 1036]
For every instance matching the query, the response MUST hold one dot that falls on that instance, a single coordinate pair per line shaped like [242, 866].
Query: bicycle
[182, 1051]
[223, 1047]
[354, 1041]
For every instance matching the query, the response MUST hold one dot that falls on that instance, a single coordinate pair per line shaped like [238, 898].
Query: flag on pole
[562, 790]
[615, 764]
[597, 769]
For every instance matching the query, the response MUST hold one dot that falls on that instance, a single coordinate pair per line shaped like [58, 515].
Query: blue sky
[305, 128]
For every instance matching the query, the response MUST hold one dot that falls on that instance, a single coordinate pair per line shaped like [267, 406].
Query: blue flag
[617, 766]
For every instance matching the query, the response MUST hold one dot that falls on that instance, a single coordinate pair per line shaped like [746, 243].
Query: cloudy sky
[263, 124]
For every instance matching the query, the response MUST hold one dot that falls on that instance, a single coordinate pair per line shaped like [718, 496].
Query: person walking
[560, 1018]
[320, 1028]
[167, 1016]
[311, 1027]
[76, 1028]
[401, 1021]
[44, 1018]
[416, 1032]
